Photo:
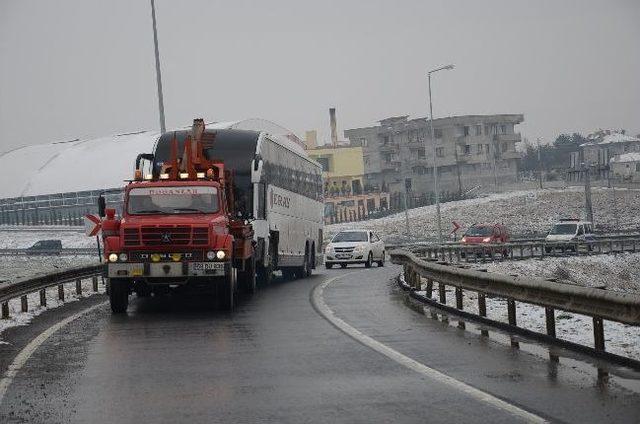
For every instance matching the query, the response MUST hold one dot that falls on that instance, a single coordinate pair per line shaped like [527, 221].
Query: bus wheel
[119, 295]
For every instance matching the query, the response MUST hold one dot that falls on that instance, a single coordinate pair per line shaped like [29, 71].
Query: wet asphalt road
[275, 359]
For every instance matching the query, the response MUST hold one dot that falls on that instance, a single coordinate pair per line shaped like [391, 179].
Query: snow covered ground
[523, 212]
[14, 267]
[617, 272]
[23, 237]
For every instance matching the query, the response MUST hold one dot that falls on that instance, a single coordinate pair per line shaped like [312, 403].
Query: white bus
[278, 188]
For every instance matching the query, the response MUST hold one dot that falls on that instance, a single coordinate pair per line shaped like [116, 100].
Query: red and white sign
[92, 225]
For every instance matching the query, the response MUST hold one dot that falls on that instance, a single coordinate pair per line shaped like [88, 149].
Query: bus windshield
[173, 200]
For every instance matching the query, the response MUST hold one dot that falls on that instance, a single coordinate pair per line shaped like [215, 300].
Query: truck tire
[228, 290]
[118, 295]
[247, 278]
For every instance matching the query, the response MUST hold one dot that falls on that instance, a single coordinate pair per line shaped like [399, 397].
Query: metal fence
[23, 287]
[421, 274]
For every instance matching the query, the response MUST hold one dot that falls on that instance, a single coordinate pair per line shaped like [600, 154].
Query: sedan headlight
[113, 257]
[486, 239]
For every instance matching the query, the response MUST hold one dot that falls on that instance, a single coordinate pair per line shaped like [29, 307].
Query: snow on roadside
[523, 212]
[616, 272]
[14, 267]
[19, 238]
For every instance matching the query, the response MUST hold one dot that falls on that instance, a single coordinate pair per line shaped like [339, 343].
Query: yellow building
[343, 168]
[345, 198]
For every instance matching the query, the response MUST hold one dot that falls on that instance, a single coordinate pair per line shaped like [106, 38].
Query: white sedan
[354, 247]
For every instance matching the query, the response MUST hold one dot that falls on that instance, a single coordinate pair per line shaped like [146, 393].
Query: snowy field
[14, 267]
[617, 272]
[523, 212]
[23, 237]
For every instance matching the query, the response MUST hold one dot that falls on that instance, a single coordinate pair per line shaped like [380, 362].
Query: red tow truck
[179, 231]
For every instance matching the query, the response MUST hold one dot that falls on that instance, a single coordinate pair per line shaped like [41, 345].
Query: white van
[570, 231]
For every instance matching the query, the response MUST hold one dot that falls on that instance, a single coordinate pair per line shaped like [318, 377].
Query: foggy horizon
[86, 69]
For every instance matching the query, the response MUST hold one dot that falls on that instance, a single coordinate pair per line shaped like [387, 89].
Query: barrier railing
[23, 287]
[420, 274]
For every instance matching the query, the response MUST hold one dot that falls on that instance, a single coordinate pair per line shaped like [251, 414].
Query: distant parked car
[486, 233]
[45, 247]
[354, 247]
[565, 233]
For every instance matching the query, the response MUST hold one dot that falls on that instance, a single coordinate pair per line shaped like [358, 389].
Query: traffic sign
[92, 225]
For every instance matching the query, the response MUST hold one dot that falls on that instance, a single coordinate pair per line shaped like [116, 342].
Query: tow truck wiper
[189, 210]
[144, 211]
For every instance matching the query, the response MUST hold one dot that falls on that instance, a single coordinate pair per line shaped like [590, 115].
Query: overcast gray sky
[82, 68]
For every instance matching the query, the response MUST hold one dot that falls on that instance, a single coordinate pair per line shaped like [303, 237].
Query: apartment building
[471, 151]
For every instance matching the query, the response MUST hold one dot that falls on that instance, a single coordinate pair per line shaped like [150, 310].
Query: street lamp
[158, 76]
[435, 158]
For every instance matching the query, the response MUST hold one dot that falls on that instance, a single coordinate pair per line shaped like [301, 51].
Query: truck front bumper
[168, 269]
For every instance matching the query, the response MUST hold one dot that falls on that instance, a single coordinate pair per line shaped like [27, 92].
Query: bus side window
[262, 201]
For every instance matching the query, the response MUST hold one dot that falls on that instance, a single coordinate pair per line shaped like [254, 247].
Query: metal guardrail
[23, 287]
[601, 305]
[64, 251]
[525, 250]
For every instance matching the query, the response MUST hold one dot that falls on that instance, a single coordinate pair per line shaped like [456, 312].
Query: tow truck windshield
[173, 200]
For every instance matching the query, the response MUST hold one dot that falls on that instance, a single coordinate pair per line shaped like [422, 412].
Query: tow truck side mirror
[256, 167]
[102, 205]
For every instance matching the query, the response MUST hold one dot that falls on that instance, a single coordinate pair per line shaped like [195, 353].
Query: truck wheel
[369, 261]
[247, 278]
[228, 291]
[288, 274]
[118, 296]
[265, 275]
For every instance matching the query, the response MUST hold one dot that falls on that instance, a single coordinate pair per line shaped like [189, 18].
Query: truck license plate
[208, 266]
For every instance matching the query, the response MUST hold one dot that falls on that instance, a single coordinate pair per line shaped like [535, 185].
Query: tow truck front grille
[166, 235]
[131, 237]
[200, 235]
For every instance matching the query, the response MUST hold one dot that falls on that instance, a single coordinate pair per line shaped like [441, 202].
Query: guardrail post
[458, 253]
[94, 283]
[429, 289]
[521, 252]
[598, 333]
[611, 246]
[459, 305]
[5, 310]
[78, 287]
[450, 255]
[551, 321]
[511, 312]
[43, 297]
[482, 310]
[634, 245]
[61, 292]
[442, 293]
[24, 303]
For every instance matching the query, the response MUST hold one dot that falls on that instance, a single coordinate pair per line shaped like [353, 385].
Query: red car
[485, 233]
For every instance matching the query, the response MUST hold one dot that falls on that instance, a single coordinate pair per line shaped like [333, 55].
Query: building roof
[612, 138]
[99, 163]
[515, 118]
[627, 157]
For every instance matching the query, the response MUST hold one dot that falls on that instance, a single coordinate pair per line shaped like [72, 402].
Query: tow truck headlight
[220, 254]
[486, 239]
[113, 257]
[211, 255]
[123, 257]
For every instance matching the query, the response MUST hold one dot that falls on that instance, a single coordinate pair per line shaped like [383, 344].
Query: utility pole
[158, 75]
[406, 205]
[435, 156]
[587, 192]
[539, 164]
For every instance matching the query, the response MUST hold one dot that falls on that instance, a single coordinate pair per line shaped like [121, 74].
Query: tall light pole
[435, 158]
[158, 76]
[539, 164]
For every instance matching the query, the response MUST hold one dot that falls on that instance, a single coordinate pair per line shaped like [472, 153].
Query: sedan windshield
[173, 200]
[563, 229]
[478, 231]
[350, 236]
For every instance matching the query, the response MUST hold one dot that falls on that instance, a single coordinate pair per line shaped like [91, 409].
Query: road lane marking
[317, 299]
[26, 353]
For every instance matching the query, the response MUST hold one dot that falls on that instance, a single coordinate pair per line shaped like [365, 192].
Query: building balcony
[510, 155]
[515, 137]
[389, 147]
[393, 165]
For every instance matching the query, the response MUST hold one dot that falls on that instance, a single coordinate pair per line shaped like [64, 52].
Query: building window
[466, 130]
[478, 129]
[505, 146]
[486, 148]
[440, 152]
[503, 129]
[363, 142]
[638, 167]
[479, 149]
[420, 170]
[467, 149]
[437, 133]
[385, 139]
[325, 164]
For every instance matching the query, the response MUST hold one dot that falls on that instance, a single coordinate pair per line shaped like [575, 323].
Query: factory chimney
[334, 130]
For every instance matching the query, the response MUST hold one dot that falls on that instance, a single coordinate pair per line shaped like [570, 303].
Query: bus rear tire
[247, 278]
[118, 295]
